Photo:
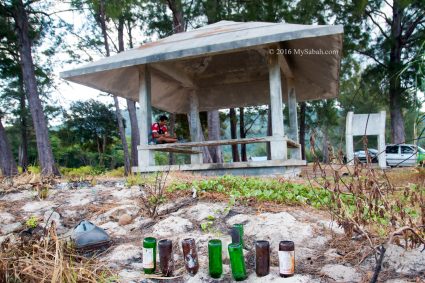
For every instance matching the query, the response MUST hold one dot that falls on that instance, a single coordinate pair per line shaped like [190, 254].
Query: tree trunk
[269, 132]
[172, 130]
[7, 162]
[242, 132]
[214, 134]
[127, 168]
[178, 26]
[302, 129]
[135, 136]
[325, 150]
[121, 129]
[233, 134]
[211, 11]
[23, 148]
[395, 91]
[131, 105]
[44, 149]
[178, 19]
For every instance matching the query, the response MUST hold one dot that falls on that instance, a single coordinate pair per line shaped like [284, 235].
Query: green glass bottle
[237, 262]
[237, 234]
[215, 258]
[149, 255]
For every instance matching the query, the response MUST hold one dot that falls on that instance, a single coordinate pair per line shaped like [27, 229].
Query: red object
[157, 128]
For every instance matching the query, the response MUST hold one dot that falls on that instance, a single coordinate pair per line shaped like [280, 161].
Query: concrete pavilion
[223, 65]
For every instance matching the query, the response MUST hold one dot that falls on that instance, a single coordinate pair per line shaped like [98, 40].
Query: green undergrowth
[378, 216]
[244, 188]
[81, 172]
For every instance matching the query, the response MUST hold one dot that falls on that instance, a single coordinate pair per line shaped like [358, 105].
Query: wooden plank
[177, 150]
[289, 142]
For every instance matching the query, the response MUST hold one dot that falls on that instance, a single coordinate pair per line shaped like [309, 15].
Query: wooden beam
[174, 73]
[289, 142]
[177, 150]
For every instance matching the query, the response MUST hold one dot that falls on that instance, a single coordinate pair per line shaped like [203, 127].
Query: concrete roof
[226, 62]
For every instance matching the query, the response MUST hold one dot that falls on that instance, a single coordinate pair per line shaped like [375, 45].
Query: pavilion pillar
[293, 118]
[278, 146]
[195, 125]
[145, 156]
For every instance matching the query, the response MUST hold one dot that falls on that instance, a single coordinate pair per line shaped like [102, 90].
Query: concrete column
[292, 107]
[382, 157]
[349, 146]
[145, 157]
[278, 147]
[293, 118]
[195, 125]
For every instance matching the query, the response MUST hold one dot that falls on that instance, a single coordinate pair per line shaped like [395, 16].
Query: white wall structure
[365, 124]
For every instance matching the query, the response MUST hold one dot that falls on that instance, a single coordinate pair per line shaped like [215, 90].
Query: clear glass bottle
[149, 255]
[237, 262]
[190, 256]
[215, 258]
[166, 260]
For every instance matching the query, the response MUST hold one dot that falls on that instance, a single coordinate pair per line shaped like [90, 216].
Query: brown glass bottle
[166, 261]
[190, 256]
[262, 258]
[286, 258]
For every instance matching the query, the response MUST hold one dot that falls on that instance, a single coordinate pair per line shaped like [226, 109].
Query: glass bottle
[215, 258]
[237, 262]
[149, 255]
[190, 256]
[262, 258]
[237, 234]
[286, 258]
[166, 261]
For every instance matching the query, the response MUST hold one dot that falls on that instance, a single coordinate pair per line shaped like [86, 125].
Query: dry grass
[48, 260]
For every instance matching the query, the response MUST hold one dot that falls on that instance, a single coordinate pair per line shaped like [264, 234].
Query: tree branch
[372, 57]
[368, 13]
[411, 28]
[113, 43]
[388, 3]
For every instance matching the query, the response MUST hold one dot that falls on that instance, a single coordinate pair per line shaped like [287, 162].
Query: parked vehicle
[401, 154]
[361, 155]
[421, 155]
